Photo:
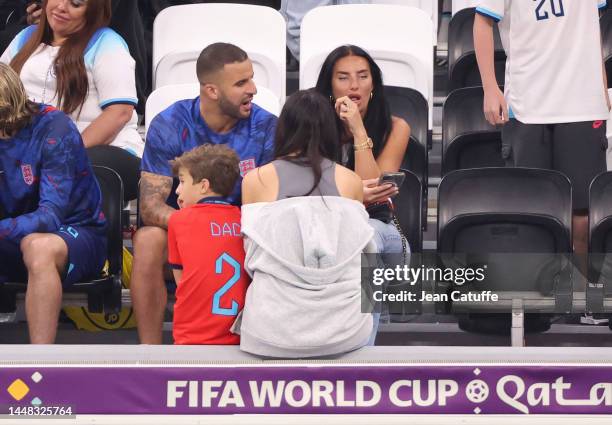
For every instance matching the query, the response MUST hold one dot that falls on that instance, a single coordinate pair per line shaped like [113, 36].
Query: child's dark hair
[216, 163]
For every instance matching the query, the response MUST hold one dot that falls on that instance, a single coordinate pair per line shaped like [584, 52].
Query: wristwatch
[368, 144]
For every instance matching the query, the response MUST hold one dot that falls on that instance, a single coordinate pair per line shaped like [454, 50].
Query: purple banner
[320, 389]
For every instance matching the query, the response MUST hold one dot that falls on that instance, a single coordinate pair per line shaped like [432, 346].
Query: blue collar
[214, 200]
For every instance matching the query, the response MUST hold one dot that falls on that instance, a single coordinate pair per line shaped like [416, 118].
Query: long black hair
[306, 132]
[377, 120]
[69, 65]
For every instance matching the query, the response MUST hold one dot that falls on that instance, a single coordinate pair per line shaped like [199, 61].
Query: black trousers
[122, 162]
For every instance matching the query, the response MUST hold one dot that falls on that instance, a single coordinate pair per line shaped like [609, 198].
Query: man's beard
[230, 109]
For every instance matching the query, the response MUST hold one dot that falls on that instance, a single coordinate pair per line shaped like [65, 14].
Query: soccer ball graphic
[477, 391]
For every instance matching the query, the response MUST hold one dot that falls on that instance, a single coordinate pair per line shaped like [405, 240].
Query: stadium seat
[104, 293]
[410, 105]
[408, 211]
[179, 68]
[165, 96]
[399, 38]
[515, 222]
[428, 6]
[462, 66]
[600, 242]
[181, 32]
[468, 140]
[605, 24]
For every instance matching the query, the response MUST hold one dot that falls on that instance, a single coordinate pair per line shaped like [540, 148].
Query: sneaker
[593, 320]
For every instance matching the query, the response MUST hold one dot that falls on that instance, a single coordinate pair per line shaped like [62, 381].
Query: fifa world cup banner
[306, 389]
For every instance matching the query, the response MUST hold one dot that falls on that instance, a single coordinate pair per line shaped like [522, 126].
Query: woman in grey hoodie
[304, 228]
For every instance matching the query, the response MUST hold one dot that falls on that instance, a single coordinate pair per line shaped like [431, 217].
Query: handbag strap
[397, 225]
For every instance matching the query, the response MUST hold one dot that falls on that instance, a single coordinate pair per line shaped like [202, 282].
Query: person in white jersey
[71, 60]
[556, 99]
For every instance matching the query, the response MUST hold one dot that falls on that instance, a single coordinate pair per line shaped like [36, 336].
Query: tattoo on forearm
[154, 190]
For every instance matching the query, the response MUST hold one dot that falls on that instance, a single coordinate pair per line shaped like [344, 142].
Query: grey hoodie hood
[304, 256]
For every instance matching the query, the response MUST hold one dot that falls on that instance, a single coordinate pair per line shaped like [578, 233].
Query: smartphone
[396, 179]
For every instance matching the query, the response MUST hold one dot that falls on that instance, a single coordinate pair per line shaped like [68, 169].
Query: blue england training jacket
[46, 180]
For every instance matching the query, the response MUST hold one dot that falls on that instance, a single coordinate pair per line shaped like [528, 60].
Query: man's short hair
[216, 163]
[215, 56]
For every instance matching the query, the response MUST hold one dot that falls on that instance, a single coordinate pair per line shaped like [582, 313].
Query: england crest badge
[28, 175]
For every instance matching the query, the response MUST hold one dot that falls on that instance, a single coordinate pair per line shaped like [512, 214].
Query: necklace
[47, 75]
[50, 73]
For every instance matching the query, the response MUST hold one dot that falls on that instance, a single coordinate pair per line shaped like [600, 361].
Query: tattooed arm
[154, 190]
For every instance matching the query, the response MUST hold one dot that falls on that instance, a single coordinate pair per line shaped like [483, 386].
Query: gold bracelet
[368, 144]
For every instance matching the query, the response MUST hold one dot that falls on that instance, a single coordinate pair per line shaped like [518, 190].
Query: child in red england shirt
[205, 247]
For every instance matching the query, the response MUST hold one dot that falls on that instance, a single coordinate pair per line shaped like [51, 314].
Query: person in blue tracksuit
[53, 230]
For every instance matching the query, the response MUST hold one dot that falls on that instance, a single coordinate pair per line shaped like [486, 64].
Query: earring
[331, 99]
[371, 94]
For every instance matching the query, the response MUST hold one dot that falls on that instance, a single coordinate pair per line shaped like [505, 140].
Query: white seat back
[181, 32]
[428, 6]
[180, 68]
[399, 38]
[165, 96]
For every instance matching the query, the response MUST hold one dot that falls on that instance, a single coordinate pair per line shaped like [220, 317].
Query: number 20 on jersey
[545, 8]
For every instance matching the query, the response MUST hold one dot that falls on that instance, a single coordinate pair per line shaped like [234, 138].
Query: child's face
[188, 191]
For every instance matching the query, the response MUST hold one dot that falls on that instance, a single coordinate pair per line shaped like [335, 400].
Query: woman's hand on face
[348, 112]
[33, 14]
[373, 192]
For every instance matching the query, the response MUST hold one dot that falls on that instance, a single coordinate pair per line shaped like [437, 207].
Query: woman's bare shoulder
[399, 124]
[349, 183]
[260, 185]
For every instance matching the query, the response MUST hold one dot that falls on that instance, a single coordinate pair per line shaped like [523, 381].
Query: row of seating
[397, 37]
[517, 224]
[468, 141]
[104, 293]
[480, 211]
[518, 221]
[400, 38]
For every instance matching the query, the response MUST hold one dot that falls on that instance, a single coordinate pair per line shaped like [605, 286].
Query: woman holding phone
[373, 141]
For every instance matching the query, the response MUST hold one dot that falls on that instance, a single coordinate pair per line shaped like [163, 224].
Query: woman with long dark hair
[372, 140]
[73, 61]
[304, 227]
[306, 146]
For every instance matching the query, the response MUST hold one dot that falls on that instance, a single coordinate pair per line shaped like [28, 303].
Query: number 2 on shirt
[556, 7]
[216, 306]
